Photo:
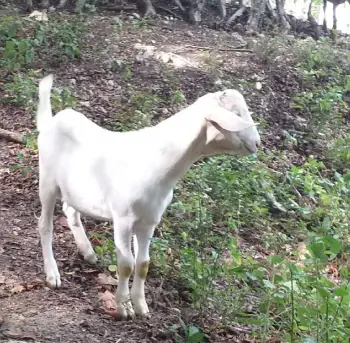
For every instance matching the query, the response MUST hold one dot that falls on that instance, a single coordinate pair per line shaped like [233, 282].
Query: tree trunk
[178, 3]
[222, 6]
[271, 10]
[196, 9]
[62, 4]
[29, 5]
[150, 11]
[314, 25]
[282, 16]
[146, 8]
[256, 14]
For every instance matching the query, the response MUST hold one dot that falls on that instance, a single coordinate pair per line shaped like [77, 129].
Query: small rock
[136, 15]
[189, 34]
[110, 82]
[218, 82]
[258, 86]
[165, 111]
[85, 103]
[176, 310]
[73, 81]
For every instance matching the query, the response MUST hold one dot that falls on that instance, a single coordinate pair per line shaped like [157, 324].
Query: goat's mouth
[252, 151]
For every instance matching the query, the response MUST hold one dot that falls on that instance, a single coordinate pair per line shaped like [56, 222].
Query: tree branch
[218, 49]
[235, 15]
[178, 3]
[11, 136]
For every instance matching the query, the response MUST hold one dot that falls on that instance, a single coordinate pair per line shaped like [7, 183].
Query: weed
[61, 39]
[140, 23]
[22, 90]
[339, 152]
[191, 333]
[22, 166]
[63, 97]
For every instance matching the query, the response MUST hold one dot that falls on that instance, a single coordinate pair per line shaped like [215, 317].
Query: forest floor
[201, 61]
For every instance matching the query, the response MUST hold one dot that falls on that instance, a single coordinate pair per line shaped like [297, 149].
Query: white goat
[128, 178]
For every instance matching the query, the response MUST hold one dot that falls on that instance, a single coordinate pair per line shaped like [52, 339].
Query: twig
[118, 8]
[218, 49]
[11, 136]
[235, 15]
[183, 59]
[178, 2]
[169, 11]
[237, 47]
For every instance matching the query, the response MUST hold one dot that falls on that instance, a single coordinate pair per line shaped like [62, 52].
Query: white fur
[128, 178]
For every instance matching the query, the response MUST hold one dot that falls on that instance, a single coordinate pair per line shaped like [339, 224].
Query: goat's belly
[89, 199]
[95, 209]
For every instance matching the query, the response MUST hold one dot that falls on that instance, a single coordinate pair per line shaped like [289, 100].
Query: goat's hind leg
[77, 228]
[47, 193]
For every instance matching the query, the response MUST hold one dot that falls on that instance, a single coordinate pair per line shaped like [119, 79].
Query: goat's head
[230, 126]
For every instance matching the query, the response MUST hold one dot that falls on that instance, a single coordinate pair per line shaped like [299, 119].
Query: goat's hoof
[125, 312]
[144, 316]
[142, 311]
[91, 258]
[54, 281]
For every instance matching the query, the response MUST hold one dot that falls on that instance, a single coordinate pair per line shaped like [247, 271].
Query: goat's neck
[184, 140]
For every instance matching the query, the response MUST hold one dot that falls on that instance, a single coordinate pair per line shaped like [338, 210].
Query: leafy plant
[191, 333]
[22, 90]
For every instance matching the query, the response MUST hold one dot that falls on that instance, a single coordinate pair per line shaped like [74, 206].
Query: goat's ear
[228, 120]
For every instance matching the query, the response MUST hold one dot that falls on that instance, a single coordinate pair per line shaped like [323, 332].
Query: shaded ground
[28, 309]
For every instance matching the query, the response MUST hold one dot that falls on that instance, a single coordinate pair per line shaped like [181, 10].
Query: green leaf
[194, 335]
[99, 250]
[275, 259]
[317, 249]
[326, 224]
[11, 32]
[183, 325]
[112, 268]
[323, 291]
[9, 49]
[308, 340]
[269, 284]
[342, 291]
[335, 245]
[22, 46]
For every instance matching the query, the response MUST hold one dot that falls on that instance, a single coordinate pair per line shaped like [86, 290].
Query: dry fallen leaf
[107, 300]
[62, 221]
[17, 289]
[104, 279]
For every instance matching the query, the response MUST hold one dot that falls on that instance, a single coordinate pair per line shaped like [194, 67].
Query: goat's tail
[44, 112]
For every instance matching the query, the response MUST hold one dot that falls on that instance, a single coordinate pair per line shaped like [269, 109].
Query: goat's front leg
[122, 240]
[142, 243]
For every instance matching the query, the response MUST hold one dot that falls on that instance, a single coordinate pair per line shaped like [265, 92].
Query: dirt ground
[29, 311]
